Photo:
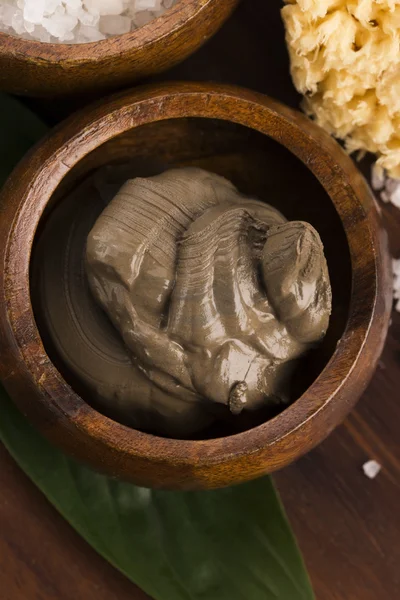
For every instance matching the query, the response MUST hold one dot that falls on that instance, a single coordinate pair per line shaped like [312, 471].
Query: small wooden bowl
[34, 68]
[268, 151]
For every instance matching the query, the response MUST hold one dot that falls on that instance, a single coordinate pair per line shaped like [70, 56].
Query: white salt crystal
[73, 5]
[90, 34]
[395, 196]
[396, 282]
[377, 177]
[51, 6]
[115, 24]
[142, 18]
[34, 11]
[396, 267]
[105, 7]
[385, 197]
[41, 34]
[147, 5]
[389, 188]
[77, 21]
[6, 15]
[28, 27]
[371, 469]
[389, 192]
[60, 27]
[89, 19]
[18, 23]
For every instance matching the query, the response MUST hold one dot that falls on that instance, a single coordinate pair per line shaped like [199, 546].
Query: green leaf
[19, 130]
[231, 544]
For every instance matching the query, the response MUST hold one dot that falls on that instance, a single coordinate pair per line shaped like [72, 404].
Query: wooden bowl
[38, 69]
[267, 150]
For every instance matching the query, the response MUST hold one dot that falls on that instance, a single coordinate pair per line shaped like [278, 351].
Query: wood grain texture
[38, 69]
[30, 549]
[348, 527]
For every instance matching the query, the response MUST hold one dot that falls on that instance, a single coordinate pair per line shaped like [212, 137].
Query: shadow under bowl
[266, 150]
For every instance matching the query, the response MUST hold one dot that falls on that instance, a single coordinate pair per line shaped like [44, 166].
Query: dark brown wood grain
[32, 557]
[38, 69]
[348, 527]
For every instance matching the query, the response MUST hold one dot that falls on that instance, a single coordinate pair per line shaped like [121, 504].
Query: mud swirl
[213, 294]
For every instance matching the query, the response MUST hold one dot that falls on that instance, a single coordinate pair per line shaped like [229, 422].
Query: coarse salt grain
[33, 11]
[115, 24]
[77, 21]
[389, 191]
[388, 187]
[371, 469]
[147, 5]
[396, 282]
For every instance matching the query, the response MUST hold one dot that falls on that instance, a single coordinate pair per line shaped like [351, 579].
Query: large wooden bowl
[267, 150]
[38, 69]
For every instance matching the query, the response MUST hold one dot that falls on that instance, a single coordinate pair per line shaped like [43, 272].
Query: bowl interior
[259, 167]
[148, 31]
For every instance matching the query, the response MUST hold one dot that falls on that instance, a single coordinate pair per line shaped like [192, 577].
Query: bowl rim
[170, 22]
[40, 173]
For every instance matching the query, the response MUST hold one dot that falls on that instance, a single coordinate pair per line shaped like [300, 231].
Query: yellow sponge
[345, 60]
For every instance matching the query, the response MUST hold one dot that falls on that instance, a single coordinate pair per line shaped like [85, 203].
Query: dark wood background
[347, 525]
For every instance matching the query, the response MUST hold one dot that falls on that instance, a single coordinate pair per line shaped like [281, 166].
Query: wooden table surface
[347, 525]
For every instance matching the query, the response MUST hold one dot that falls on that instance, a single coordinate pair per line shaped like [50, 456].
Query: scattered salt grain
[377, 177]
[396, 282]
[389, 191]
[77, 21]
[388, 188]
[371, 469]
